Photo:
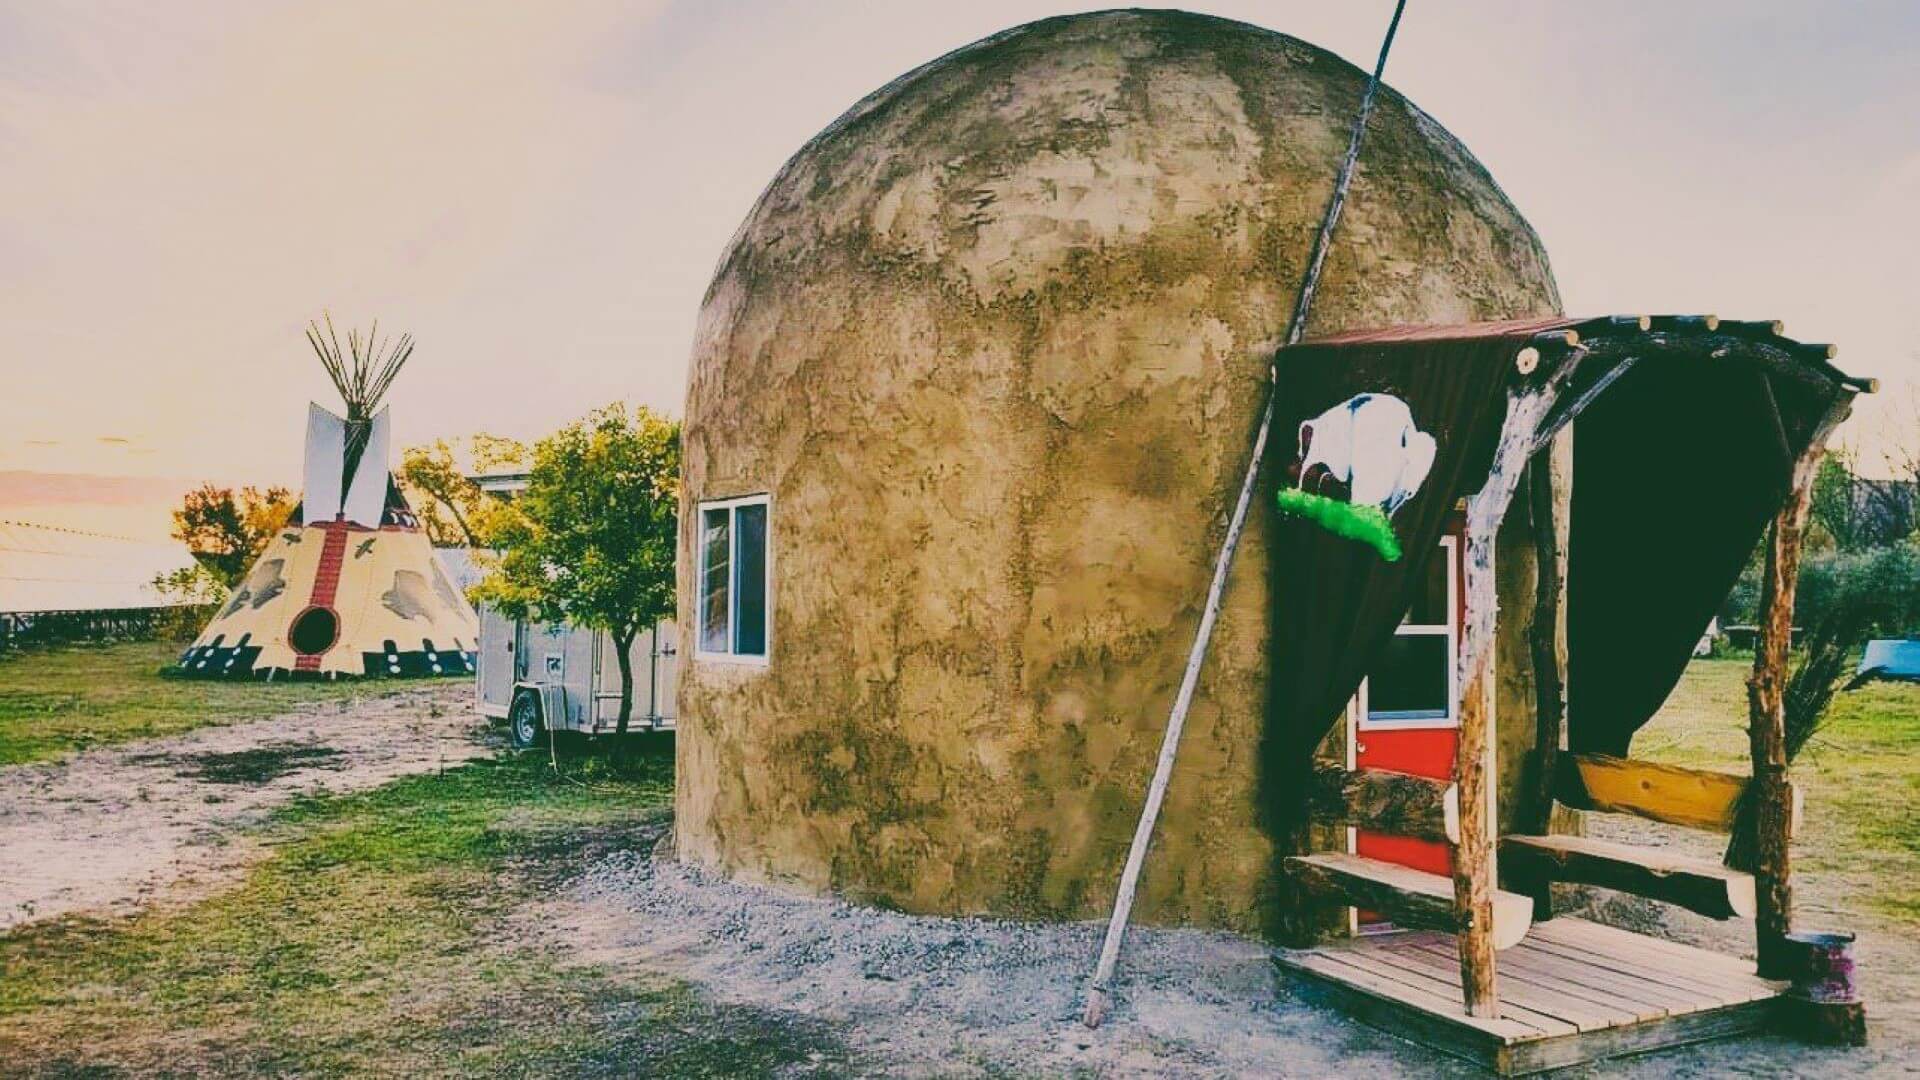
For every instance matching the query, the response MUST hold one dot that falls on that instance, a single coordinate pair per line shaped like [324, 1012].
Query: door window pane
[715, 573]
[750, 579]
[1409, 682]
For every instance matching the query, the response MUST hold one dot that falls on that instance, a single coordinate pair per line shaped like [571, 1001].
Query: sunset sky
[539, 193]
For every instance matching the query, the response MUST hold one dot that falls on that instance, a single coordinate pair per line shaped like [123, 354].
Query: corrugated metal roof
[43, 568]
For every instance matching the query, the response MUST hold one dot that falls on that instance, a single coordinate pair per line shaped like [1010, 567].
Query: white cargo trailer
[539, 676]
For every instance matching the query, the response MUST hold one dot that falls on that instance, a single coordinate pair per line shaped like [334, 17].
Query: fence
[23, 629]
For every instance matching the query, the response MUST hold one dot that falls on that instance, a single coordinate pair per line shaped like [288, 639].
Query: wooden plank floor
[1572, 991]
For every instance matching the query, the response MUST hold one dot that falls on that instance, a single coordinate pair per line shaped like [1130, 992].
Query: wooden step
[1413, 899]
[1695, 884]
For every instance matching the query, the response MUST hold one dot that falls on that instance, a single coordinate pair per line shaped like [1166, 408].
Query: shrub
[1888, 578]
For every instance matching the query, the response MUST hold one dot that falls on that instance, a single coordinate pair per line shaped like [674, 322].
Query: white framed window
[1412, 684]
[735, 583]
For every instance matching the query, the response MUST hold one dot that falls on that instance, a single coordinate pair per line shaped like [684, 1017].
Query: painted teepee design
[351, 586]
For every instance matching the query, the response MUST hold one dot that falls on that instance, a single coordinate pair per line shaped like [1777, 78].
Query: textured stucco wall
[995, 343]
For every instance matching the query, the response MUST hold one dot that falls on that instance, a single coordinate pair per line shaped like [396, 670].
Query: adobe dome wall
[995, 342]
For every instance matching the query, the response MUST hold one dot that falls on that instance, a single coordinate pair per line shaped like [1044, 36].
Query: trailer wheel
[524, 723]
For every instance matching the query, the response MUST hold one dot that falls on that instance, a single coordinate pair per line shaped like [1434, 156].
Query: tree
[451, 507]
[595, 537]
[226, 531]
[191, 593]
[1832, 505]
[1892, 505]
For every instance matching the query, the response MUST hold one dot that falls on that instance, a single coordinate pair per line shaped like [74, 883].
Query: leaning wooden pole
[1099, 987]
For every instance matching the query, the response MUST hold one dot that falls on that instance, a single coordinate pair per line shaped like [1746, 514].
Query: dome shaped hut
[974, 388]
[993, 346]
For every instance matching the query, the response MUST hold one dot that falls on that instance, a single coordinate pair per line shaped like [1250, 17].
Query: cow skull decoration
[1359, 462]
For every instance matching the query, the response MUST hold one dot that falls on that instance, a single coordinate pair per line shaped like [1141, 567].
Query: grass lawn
[70, 698]
[381, 937]
[1861, 775]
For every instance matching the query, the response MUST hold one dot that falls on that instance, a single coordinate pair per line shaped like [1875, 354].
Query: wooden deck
[1572, 992]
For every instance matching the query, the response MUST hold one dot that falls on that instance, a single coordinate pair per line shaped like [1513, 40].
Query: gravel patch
[924, 996]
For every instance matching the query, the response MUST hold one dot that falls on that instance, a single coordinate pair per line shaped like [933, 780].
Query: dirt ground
[289, 947]
[917, 996]
[106, 830]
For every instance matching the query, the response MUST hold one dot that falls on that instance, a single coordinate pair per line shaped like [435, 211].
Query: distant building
[1884, 510]
[64, 583]
[505, 485]
[43, 568]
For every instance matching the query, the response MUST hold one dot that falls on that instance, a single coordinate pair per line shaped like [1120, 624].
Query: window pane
[714, 574]
[750, 580]
[1410, 680]
[1430, 602]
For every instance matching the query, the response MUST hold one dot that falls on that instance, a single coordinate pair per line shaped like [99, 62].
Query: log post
[1543, 638]
[1767, 729]
[1475, 870]
[1473, 866]
[1771, 794]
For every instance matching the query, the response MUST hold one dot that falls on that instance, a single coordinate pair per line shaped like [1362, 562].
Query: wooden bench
[1414, 899]
[1698, 885]
[1694, 798]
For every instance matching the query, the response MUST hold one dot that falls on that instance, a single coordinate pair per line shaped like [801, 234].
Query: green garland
[1367, 524]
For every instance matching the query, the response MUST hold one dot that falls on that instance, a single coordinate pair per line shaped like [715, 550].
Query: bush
[196, 593]
[1888, 577]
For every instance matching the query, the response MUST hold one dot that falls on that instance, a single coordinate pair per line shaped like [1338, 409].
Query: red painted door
[1404, 716]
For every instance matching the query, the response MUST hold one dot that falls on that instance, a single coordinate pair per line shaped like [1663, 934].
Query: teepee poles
[1100, 986]
[363, 372]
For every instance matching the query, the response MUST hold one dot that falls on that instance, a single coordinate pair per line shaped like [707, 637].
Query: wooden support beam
[1757, 328]
[1543, 641]
[1697, 798]
[1474, 873]
[1413, 899]
[1389, 802]
[1695, 884]
[1565, 412]
[1767, 729]
[1549, 676]
[1475, 876]
[1695, 323]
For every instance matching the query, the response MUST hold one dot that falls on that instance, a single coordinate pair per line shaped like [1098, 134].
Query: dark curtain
[1678, 467]
[1335, 602]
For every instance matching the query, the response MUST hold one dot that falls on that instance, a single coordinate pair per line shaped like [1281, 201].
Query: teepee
[351, 586]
